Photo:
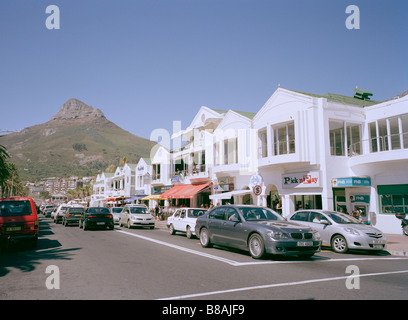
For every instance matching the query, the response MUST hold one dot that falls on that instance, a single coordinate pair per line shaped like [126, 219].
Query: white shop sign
[301, 180]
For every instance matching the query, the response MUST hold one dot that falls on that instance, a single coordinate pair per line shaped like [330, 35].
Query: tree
[4, 168]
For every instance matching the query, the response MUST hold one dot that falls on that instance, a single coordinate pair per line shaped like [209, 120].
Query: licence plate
[100, 223]
[305, 244]
[13, 228]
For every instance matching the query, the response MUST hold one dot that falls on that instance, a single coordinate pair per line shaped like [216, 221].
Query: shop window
[284, 139]
[393, 199]
[304, 202]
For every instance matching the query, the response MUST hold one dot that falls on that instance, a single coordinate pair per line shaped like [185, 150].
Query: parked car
[48, 210]
[58, 214]
[257, 230]
[73, 215]
[96, 217]
[184, 220]
[136, 215]
[115, 211]
[18, 220]
[341, 231]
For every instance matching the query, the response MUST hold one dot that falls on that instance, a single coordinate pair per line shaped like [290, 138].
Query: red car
[18, 221]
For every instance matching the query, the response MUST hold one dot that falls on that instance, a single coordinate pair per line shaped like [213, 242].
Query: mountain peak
[76, 109]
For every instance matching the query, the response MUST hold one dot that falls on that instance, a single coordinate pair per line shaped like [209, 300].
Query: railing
[379, 144]
[192, 171]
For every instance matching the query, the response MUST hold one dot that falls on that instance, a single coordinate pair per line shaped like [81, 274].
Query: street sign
[257, 190]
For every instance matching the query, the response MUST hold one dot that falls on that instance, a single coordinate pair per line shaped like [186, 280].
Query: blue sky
[145, 63]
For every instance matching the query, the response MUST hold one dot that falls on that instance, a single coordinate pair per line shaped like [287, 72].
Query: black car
[73, 215]
[96, 217]
[257, 230]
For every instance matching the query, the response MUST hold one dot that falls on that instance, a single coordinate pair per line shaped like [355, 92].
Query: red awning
[184, 191]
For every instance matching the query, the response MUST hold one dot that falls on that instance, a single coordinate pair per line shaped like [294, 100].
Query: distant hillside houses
[307, 151]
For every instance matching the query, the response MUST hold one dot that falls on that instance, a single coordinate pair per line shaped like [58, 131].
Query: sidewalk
[397, 244]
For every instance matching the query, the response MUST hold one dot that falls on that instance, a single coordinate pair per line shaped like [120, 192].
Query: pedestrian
[278, 207]
[157, 212]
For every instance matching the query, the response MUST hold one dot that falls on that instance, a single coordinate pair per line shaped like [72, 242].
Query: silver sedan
[340, 231]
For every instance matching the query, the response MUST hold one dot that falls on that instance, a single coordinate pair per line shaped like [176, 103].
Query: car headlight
[278, 235]
[316, 235]
[352, 231]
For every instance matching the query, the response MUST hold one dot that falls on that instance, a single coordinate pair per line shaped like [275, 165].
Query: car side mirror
[325, 222]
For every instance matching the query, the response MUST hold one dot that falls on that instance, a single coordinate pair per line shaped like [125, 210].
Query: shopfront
[351, 195]
[301, 190]
[188, 195]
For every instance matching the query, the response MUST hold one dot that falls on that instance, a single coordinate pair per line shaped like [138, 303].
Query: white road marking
[285, 284]
[240, 264]
[231, 262]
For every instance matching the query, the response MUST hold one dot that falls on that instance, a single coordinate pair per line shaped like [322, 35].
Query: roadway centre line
[240, 264]
[285, 284]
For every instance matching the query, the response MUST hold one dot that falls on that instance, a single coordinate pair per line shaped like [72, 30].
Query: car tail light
[108, 216]
[68, 215]
[92, 216]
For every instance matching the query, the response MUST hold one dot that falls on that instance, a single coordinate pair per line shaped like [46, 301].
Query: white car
[136, 215]
[340, 231]
[184, 220]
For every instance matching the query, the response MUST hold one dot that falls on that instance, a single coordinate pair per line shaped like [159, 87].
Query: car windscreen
[259, 214]
[15, 208]
[76, 210]
[138, 210]
[98, 210]
[342, 218]
[195, 213]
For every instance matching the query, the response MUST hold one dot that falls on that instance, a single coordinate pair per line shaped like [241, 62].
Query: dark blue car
[257, 230]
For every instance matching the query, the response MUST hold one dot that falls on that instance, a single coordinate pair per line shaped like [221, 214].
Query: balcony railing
[379, 144]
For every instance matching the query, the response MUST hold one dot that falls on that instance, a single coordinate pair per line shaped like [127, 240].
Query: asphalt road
[147, 264]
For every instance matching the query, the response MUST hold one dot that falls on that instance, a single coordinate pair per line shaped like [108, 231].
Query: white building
[327, 151]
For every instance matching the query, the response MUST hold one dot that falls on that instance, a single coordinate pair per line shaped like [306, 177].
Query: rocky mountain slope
[78, 140]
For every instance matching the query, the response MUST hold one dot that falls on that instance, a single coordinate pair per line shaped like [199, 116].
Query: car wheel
[189, 233]
[205, 238]
[256, 246]
[339, 244]
[171, 228]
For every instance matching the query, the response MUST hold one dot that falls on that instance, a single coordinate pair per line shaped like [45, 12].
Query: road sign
[257, 190]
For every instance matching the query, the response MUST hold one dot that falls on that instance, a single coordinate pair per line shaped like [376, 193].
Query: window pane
[373, 137]
[336, 131]
[395, 136]
[404, 122]
[291, 137]
[382, 134]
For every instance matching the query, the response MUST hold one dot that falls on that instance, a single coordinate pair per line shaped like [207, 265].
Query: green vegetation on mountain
[77, 141]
